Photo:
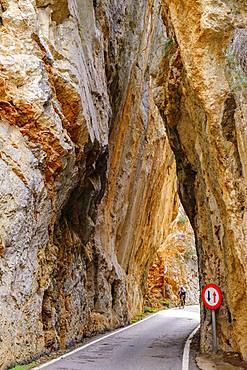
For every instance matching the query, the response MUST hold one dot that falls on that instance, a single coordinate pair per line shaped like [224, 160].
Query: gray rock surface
[83, 163]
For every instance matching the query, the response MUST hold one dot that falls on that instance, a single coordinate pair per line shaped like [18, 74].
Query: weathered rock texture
[175, 264]
[201, 94]
[87, 177]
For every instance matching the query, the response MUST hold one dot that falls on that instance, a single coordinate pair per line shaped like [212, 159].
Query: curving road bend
[156, 343]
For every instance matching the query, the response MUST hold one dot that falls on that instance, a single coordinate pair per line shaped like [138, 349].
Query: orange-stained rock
[201, 93]
[87, 176]
[93, 97]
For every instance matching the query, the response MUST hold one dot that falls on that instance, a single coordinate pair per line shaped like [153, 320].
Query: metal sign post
[215, 347]
[212, 299]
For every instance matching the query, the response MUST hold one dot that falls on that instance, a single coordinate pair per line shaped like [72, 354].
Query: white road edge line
[93, 342]
[186, 354]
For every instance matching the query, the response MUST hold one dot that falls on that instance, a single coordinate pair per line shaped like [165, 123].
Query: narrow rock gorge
[110, 112]
[175, 265]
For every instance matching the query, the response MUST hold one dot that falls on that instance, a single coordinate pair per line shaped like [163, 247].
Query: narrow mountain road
[156, 343]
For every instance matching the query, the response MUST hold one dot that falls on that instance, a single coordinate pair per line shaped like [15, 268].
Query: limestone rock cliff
[92, 93]
[87, 176]
[201, 93]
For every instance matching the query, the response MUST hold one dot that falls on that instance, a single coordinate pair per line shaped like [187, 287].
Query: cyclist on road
[182, 296]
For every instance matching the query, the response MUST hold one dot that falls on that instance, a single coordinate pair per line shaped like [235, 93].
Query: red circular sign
[211, 296]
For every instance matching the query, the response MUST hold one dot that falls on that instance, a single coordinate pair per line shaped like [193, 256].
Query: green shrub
[149, 309]
[165, 303]
[188, 254]
[167, 46]
[182, 219]
[143, 314]
[24, 367]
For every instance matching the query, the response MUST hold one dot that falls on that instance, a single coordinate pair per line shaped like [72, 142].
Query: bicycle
[182, 301]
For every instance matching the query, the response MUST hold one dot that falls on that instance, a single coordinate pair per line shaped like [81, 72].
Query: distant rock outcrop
[175, 265]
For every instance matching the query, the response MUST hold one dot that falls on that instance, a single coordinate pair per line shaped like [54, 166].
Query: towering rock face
[201, 93]
[87, 174]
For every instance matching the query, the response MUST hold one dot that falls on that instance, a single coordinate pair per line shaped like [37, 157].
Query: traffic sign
[211, 296]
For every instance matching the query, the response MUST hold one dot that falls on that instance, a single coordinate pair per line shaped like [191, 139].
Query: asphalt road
[153, 344]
